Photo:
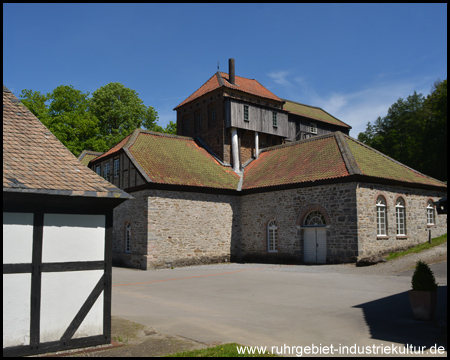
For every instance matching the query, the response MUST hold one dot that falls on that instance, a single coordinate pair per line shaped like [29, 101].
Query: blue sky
[352, 60]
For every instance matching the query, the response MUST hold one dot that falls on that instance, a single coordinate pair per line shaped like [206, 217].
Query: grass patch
[418, 248]
[225, 350]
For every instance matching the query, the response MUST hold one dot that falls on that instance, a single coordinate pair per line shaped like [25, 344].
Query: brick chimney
[231, 74]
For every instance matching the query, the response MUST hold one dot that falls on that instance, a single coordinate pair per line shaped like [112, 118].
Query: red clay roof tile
[250, 86]
[34, 160]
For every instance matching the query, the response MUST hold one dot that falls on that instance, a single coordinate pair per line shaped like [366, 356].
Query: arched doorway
[315, 238]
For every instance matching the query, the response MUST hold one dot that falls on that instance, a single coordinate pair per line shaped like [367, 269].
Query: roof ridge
[293, 143]
[195, 91]
[347, 155]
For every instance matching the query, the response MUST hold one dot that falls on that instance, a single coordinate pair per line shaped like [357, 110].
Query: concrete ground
[274, 306]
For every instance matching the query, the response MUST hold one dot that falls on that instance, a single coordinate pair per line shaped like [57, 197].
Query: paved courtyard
[273, 305]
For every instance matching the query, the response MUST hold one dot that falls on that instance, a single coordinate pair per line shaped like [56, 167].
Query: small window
[400, 217]
[272, 236]
[274, 119]
[313, 128]
[98, 170]
[430, 213]
[116, 168]
[246, 113]
[381, 216]
[106, 171]
[128, 238]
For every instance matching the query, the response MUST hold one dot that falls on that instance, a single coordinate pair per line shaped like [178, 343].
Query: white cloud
[279, 77]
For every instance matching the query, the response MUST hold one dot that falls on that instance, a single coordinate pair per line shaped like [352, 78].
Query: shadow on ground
[391, 319]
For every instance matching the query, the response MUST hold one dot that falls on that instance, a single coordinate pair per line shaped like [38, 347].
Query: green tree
[435, 131]
[36, 103]
[64, 111]
[120, 111]
[414, 132]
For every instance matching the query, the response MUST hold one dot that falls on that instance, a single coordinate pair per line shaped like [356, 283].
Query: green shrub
[423, 278]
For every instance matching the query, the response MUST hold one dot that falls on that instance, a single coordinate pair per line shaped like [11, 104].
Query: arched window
[128, 238]
[272, 236]
[400, 216]
[315, 218]
[430, 213]
[381, 216]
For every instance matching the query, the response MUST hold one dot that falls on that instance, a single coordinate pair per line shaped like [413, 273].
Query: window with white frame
[272, 236]
[313, 128]
[381, 216]
[274, 119]
[315, 218]
[430, 213]
[400, 216]
[128, 238]
[246, 113]
[116, 167]
[106, 171]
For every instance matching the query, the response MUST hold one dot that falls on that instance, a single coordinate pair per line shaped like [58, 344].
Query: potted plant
[423, 296]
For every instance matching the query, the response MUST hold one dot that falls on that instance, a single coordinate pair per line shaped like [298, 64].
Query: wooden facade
[259, 118]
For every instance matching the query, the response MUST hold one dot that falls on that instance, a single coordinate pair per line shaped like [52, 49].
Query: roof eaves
[111, 193]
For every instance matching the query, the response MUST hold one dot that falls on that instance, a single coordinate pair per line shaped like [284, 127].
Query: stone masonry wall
[417, 230]
[186, 228]
[133, 211]
[171, 228]
[289, 208]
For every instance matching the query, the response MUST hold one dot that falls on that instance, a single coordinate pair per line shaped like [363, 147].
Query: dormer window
[313, 128]
[98, 170]
[274, 119]
[246, 113]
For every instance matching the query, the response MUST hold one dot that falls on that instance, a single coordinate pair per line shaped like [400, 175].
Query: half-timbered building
[57, 241]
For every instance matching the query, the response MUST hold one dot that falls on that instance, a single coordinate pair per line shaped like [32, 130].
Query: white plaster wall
[69, 237]
[17, 238]
[63, 294]
[16, 309]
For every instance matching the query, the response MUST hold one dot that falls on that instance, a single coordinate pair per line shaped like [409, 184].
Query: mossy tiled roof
[312, 112]
[375, 164]
[86, 156]
[174, 160]
[304, 161]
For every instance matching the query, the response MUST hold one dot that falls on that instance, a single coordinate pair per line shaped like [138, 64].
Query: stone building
[253, 177]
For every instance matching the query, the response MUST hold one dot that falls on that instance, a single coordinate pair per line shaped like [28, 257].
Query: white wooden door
[315, 245]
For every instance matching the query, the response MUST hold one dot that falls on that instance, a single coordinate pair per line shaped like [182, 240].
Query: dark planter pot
[423, 304]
